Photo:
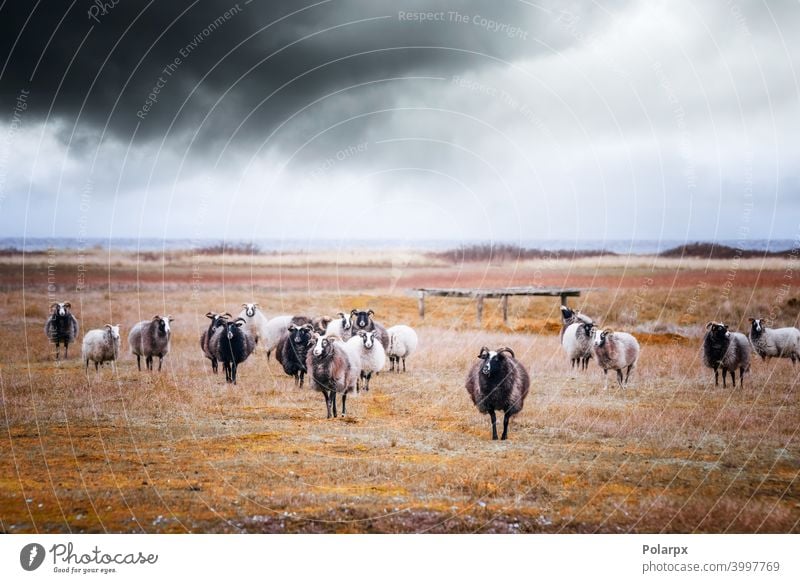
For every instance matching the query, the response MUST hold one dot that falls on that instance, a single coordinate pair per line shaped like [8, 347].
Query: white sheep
[101, 345]
[402, 344]
[372, 357]
[265, 331]
[616, 351]
[273, 331]
[340, 327]
[774, 342]
[577, 344]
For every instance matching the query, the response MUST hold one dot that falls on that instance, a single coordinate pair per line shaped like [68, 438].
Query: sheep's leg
[494, 425]
[619, 377]
[66, 350]
[233, 372]
[160, 360]
[302, 376]
[327, 402]
[506, 419]
[344, 408]
[741, 378]
[716, 376]
[139, 362]
[724, 376]
[605, 376]
[628, 374]
[96, 366]
[333, 402]
[268, 353]
[404, 364]
[148, 360]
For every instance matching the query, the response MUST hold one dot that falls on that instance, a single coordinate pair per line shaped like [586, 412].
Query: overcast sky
[400, 119]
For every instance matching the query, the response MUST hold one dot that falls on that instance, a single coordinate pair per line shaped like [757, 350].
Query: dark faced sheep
[498, 382]
[569, 317]
[292, 349]
[331, 371]
[150, 338]
[217, 321]
[232, 345]
[362, 320]
[726, 350]
[61, 326]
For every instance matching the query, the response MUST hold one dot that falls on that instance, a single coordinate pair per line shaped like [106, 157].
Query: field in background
[181, 451]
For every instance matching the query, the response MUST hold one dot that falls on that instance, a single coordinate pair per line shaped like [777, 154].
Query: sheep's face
[250, 309]
[566, 313]
[301, 335]
[588, 329]
[491, 361]
[361, 319]
[368, 338]
[322, 344]
[61, 308]
[718, 331]
[113, 329]
[600, 337]
[345, 321]
[757, 325]
[163, 324]
[232, 327]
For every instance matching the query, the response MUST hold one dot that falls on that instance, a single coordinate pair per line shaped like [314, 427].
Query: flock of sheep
[340, 355]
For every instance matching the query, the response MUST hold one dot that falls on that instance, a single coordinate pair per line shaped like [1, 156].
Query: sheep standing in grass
[370, 353]
[292, 350]
[273, 331]
[101, 345]
[255, 321]
[231, 345]
[340, 326]
[217, 321]
[569, 317]
[61, 326]
[726, 350]
[616, 351]
[362, 320]
[577, 344]
[402, 344]
[150, 338]
[331, 371]
[498, 382]
[774, 342]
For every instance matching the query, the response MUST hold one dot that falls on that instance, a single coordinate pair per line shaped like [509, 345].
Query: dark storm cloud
[97, 63]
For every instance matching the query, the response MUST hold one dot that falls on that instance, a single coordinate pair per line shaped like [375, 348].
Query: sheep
[370, 354]
[331, 371]
[340, 326]
[231, 345]
[150, 338]
[498, 382]
[320, 324]
[272, 332]
[61, 326]
[217, 321]
[361, 320]
[729, 350]
[615, 351]
[292, 350]
[255, 321]
[402, 344]
[569, 317]
[577, 343]
[774, 342]
[101, 345]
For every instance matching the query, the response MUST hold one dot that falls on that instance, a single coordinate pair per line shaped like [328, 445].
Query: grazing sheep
[361, 320]
[569, 317]
[577, 344]
[498, 382]
[61, 326]
[217, 321]
[292, 350]
[370, 353]
[231, 345]
[729, 350]
[774, 342]
[331, 371]
[402, 344]
[150, 338]
[340, 326]
[101, 345]
[615, 351]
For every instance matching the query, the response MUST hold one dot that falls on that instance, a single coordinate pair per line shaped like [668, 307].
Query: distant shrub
[505, 253]
[229, 249]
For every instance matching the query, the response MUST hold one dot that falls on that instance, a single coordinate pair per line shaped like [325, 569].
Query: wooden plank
[480, 309]
[505, 310]
[421, 304]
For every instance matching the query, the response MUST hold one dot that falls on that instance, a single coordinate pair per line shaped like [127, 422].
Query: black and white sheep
[331, 371]
[101, 345]
[774, 342]
[577, 344]
[255, 321]
[217, 321]
[370, 354]
[569, 317]
[402, 344]
[292, 350]
[615, 351]
[231, 345]
[61, 326]
[150, 338]
[498, 382]
[726, 350]
[340, 326]
[362, 320]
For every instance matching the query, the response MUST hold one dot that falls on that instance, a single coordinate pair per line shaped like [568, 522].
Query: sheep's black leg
[333, 402]
[66, 350]
[302, 376]
[233, 371]
[724, 376]
[160, 360]
[733, 377]
[268, 353]
[506, 419]
[344, 408]
[139, 362]
[619, 377]
[404, 364]
[96, 367]
[628, 374]
[148, 360]
[741, 378]
[494, 424]
[716, 377]
[327, 402]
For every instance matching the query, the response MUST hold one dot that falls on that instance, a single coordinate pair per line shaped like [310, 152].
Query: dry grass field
[181, 451]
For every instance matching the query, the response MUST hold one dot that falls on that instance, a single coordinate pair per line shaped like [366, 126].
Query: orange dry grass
[181, 451]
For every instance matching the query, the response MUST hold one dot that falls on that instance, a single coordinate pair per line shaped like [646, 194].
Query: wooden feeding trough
[502, 293]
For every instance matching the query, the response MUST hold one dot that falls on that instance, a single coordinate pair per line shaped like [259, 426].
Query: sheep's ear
[256, 305]
[709, 325]
[53, 305]
[353, 312]
[484, 352]
[370, 313]
[170, 319]
[340, 314]
[211, 315]
[362, 333]
[156, 317]
[292, 327]
[244, 305]
[67, 305]
[751, 320]
[607, 332]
